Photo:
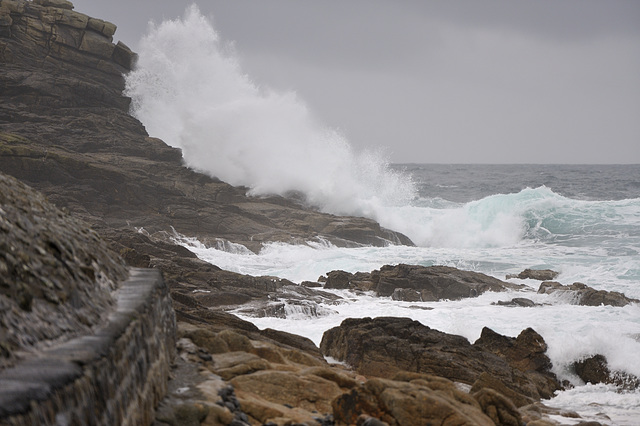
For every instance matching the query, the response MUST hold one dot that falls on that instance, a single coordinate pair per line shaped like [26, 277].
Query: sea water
[582, 221]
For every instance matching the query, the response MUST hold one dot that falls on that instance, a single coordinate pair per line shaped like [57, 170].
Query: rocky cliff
[66, 131]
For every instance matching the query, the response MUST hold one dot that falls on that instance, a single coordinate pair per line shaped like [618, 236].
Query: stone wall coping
[38, 377]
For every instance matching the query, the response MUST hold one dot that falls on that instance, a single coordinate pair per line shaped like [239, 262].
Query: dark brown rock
[595, 369]
[419, 283]
[518, 302]
[587, 296]
[527, 353]
[536, 274]
[385, 346]
[338, 280]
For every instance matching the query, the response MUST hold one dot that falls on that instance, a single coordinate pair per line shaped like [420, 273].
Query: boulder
[435, 282]
[338, 280]
[584, 295]
[522, 302]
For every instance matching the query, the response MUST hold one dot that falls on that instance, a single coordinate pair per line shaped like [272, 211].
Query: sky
[532, 81]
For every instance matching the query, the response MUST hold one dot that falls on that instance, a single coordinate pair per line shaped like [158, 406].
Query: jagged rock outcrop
[414, 283]
[385, 346]
[582, 294]
[526, 352]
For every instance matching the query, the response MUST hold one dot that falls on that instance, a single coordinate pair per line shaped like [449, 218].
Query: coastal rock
[595, 369]
[419, 283]
[585, 295]
[406, 295]
[536, 274]
[527, 353]
[383, 347]
[498, 408]
[409, 403]
[259, 380]
[522, 302]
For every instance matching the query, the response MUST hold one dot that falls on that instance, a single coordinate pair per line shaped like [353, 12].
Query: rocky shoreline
[104, 197]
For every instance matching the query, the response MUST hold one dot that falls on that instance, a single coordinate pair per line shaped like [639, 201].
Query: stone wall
[116, 375]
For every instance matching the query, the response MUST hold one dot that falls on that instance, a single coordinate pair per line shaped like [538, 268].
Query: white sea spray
[188, 88]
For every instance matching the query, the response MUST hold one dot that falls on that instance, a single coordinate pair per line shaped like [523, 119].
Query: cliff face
[65, 130]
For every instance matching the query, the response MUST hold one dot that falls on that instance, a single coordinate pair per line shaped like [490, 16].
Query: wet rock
[435, 282]
[383, 347]
[338, 280]
[536, 274]
[406, 295]
[595, 369]
[418, 283]
[527, 353]
[581, 294]
[518, 302]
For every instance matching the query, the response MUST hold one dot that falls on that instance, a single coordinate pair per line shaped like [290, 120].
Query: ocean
[580, 220]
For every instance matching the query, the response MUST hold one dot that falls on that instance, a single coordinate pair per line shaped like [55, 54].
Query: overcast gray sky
[440, 81]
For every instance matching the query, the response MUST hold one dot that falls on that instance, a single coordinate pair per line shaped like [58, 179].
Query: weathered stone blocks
[115, 376]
